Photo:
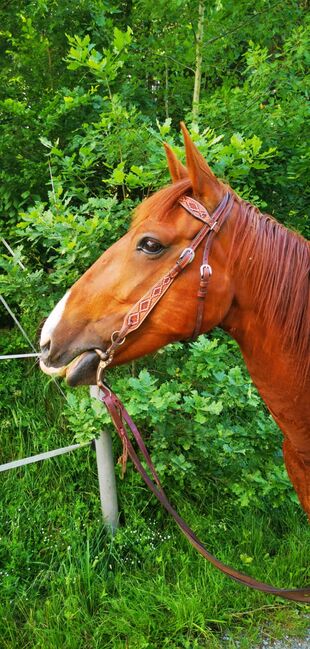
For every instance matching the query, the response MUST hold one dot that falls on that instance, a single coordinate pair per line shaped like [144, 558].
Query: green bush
[203, 422]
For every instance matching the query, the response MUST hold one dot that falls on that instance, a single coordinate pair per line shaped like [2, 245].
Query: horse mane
[275, 261]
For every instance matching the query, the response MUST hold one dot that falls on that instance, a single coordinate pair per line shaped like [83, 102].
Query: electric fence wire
[18, 324]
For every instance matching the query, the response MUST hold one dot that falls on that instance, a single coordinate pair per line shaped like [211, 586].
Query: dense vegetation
[88, 92]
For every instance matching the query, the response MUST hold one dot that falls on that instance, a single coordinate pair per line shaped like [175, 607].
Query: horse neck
[276, 367]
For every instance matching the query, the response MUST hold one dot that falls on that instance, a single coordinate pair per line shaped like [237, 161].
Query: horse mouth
[80, 371]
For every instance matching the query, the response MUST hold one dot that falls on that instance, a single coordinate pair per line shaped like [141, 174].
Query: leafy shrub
[203, 422]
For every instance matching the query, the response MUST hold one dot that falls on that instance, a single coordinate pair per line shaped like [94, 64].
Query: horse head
[95, 306]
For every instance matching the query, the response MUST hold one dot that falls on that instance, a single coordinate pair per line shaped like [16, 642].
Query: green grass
[65, 583]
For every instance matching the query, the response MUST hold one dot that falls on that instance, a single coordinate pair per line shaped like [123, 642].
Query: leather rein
[117, 411]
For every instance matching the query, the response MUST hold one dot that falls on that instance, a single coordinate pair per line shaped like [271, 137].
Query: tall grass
[64, 582]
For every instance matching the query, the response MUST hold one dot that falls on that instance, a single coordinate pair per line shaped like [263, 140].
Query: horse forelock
[160, 204]
[276, 263]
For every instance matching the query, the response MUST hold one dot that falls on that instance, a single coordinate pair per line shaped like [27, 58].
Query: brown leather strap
[121, 418]
[215, 222]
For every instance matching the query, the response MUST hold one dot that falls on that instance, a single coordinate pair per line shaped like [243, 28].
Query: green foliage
[273, 92]
[204, 422]
[69, 238]
[65, 582]
[103, 66]
[127, 67]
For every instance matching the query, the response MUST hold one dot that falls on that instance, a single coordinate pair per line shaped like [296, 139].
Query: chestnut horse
[258, 293]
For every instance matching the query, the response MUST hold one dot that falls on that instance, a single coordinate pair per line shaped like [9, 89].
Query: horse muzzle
[81, 370]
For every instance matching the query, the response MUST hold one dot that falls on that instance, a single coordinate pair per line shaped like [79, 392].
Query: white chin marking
[53, 320]
[53, 371]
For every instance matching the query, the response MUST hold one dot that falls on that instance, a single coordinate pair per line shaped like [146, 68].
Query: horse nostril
[45, 349]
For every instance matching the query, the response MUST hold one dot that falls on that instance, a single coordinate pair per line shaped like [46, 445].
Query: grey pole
[106, 474]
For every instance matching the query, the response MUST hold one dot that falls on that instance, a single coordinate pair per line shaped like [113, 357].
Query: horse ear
[205, 184]
[177, 170]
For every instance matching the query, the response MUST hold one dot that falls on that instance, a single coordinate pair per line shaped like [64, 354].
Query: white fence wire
[8, 357]
[41, 456]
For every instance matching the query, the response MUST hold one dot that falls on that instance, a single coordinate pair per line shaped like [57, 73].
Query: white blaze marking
[53, 320]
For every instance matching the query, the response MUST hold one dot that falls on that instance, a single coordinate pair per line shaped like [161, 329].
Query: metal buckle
[114, 337]
[105, 360]
[102, 355]
[204, 267]
[186, 251]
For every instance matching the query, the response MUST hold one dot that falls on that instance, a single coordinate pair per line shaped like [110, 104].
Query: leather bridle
[139, 312]
[121, 418]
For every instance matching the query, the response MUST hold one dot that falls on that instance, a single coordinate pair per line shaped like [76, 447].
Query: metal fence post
[106, 474]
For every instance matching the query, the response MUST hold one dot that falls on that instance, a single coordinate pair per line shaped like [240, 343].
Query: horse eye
[150, 246]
